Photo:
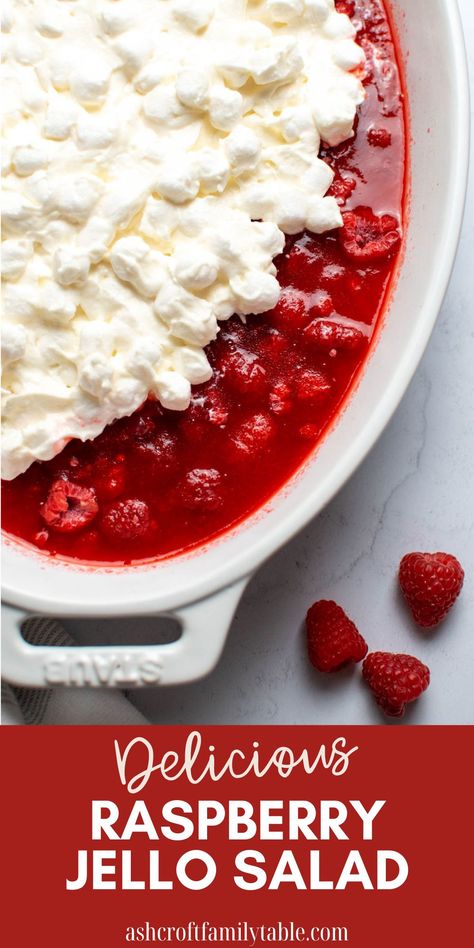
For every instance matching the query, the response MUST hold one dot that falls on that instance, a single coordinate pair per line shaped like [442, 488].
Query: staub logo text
[113, 669]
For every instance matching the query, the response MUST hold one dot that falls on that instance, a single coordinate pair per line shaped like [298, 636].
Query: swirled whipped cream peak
[155, 153]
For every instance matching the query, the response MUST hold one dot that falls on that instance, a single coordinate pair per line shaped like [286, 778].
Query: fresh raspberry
[202, 489]
[332, 638]
[289, 313]
[366, 238]
[251, 437]
[69, 507]
[324, 335]
[431, 583]
[313, 387]
[379, 137]
[395, 680]
[126, 520]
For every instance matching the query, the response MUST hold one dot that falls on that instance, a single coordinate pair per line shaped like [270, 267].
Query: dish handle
[204, 625]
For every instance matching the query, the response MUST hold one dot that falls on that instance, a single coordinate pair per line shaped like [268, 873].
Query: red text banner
[237, 835]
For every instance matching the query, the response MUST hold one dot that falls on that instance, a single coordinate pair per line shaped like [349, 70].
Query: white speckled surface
[415, 491]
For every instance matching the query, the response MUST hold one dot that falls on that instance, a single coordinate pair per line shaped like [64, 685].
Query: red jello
[160, 482]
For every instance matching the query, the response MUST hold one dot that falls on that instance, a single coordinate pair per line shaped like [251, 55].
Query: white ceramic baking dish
[202, 590]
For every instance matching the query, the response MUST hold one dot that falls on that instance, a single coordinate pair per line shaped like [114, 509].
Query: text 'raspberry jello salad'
[160, 159]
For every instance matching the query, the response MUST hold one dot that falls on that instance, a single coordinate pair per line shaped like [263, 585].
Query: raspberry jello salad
[202, 212]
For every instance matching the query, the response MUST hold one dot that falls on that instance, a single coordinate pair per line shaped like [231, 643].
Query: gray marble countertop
[414, 491]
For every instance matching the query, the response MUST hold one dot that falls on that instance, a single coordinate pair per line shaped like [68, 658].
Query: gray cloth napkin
[63, 705]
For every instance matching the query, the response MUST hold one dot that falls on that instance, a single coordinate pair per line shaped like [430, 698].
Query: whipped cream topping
[155, 154]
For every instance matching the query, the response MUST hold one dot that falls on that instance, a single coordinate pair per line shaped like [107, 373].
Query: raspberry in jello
[126, 520]
[68, 507]
[202, 489]
[367, 237]
[326, 335]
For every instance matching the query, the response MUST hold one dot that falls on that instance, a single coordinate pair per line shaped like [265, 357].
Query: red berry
[69, 507]
[251, 437]
[379, 137]
[218, 416]
[322, 305]
[193, 424]
[280, 399]
[111, 486]
[274, 345]
[313, 387]
[217, 410]
[341, 189]
[309, 432]
[202, 489]
[110, 476]
[431, 583]
[345, 6]
[289, 313]
[332, 638]
[367, 238]
[126, 430]
[324, 335]
[126, 520]
[292, 269]
[395, 680]
[243, 373]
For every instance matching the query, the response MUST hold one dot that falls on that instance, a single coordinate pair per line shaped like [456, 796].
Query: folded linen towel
[62, 705]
